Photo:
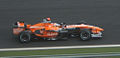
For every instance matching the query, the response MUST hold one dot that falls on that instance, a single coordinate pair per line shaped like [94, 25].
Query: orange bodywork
[49, 29]
[17, 31]
[45, 29]
[83, 26]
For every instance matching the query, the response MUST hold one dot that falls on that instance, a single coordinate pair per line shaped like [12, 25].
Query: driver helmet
[47, 20]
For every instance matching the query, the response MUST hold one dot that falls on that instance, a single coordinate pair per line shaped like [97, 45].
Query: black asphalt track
[104, 13]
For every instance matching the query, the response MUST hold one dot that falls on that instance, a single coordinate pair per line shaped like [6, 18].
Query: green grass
[59, 51]
[109, 57]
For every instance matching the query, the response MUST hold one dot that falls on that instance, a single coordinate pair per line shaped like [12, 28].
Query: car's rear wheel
[25, 37]
[85, 34]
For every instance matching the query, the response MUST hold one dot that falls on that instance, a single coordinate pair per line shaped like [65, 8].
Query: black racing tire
[85, 34]
[24, 37]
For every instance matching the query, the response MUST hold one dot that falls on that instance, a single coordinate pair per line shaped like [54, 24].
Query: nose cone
[100, 29]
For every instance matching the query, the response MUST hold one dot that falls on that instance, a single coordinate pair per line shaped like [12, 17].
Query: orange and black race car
[53, 31]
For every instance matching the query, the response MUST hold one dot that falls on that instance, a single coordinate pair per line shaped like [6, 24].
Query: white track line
[59, 47]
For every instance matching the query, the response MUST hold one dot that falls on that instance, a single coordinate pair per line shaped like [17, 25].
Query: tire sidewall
[27, 34]
[88, 34]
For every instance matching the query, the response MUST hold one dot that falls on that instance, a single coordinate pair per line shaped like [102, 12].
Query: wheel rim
[24, 37]
[84, 35]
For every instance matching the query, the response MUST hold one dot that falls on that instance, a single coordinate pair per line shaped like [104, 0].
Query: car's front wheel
[85, 34]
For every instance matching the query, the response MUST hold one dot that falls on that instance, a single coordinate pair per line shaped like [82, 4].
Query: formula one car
[54, 31]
